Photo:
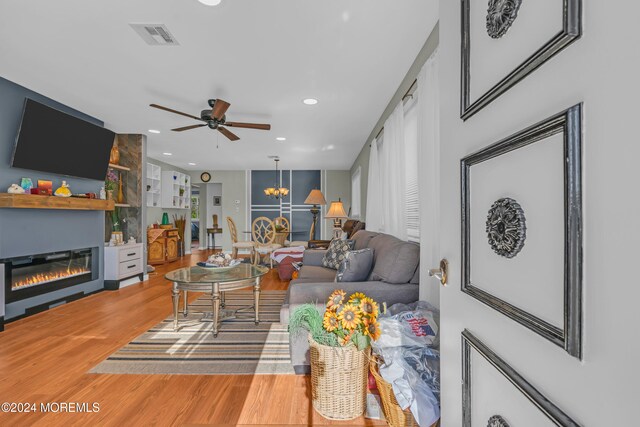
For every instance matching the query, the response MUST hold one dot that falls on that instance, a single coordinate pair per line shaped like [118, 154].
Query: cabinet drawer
[172, 233]
[130, 268]
[128, 254]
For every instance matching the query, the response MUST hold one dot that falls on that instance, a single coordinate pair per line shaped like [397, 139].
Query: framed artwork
[481, 363]
[521, 213]
[505, 40]
[217, 200]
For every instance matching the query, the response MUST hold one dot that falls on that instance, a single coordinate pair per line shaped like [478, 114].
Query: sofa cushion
[301, 292]
[356, 266]
[316, 274]
[362, 239]
[394, 261]
[336, 253]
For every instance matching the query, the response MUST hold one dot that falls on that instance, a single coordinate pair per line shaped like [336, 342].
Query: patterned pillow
[336, 253]
[356, 266]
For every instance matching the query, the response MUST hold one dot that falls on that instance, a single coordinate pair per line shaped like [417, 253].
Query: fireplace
[33, 275]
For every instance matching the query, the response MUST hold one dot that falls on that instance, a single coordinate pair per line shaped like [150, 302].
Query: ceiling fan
[215, 118]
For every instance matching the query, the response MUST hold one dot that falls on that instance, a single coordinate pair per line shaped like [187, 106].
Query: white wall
[234, 188]
[602, 71]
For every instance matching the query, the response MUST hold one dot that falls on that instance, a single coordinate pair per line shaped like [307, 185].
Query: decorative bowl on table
[219, 262]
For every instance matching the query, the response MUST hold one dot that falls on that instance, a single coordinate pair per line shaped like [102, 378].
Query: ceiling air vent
[155, 34]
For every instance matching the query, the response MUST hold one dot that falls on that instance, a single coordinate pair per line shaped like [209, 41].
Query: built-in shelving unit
[175, 190]
[34, 201]
[153, 185]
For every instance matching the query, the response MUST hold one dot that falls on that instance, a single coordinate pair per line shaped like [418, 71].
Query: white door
[543, 373]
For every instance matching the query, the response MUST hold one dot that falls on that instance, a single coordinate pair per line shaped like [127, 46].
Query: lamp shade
[336, 210]
[315, 198]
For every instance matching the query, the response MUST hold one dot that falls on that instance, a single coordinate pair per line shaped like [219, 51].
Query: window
[355, 194]
[412, 203]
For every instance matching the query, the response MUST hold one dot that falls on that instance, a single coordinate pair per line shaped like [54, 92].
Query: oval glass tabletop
[197, 274]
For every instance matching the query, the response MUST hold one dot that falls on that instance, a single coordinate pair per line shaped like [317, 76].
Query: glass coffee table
[216, 282]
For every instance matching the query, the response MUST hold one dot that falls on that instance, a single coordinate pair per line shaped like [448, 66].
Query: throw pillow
[336, 253]
[356, 266]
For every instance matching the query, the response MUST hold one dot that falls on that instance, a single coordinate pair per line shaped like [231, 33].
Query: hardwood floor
[44, 359]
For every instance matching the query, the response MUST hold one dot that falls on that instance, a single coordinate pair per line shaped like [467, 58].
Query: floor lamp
[315, 198]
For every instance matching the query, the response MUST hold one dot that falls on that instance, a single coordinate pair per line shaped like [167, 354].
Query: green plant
[111, 181]
[306, 317]
[115, 219]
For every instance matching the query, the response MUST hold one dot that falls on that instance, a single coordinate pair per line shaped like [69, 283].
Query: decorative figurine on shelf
[110, 183]
[63, 190]
[26, 184]
[15, 189]
[103, 194]
[114, 156]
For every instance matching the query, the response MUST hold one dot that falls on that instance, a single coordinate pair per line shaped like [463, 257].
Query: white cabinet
[176, 190]
[153, 185]
[121, 263]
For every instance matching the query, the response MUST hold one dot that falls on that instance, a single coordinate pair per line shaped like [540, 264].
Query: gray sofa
[393, 279]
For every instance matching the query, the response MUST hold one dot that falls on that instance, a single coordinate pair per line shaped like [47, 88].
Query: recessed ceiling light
[191, 164]
[167, 154]
[154, 131]
[210, 2]
[310, 101]
[281, 138]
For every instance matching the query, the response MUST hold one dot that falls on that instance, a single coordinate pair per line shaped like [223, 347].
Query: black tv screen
[52, 141]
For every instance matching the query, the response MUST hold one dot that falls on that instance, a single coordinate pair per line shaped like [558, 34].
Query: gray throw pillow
[356, 266]
[336, 253]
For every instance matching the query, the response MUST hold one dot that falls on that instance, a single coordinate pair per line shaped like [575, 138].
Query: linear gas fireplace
[33, 275]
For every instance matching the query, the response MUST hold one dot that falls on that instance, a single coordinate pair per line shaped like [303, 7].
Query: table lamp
[336, 212]
[315, 198]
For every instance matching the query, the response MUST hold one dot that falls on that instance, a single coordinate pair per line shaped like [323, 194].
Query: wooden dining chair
[264, 234]
[236, 244]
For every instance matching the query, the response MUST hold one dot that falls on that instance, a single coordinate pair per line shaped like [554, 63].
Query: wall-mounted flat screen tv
[52, 141]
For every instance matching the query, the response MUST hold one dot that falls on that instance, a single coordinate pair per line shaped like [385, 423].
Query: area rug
[242, 347]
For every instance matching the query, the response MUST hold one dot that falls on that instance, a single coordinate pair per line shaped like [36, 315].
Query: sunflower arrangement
[352, 320]
[346, 321]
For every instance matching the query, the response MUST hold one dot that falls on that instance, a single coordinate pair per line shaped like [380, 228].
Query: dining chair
[282, 230]
[238, 245]
[264, 234]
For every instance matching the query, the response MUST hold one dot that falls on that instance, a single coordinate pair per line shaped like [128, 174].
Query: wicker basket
[338, 380]
[394, 414]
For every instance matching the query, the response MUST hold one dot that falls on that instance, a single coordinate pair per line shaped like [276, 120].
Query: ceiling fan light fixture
[210, 2]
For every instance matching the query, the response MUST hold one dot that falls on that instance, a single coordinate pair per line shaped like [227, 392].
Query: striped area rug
[240, 348]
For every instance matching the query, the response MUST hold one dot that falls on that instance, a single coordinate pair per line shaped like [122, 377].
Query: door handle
[441, 273]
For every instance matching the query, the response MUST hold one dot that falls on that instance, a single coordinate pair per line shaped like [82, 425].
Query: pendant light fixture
[276, 192]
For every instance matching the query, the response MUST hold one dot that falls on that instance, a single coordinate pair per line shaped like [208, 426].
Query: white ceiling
[263, 56]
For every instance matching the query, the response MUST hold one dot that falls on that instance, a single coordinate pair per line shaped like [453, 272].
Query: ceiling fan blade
[219, 108]
[160, 107]
[226, 132]
[188, 127]
[248, 125]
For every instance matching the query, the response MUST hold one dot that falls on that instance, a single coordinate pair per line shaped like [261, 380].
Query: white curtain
[392, 175]
[429, 175]
[373, 216]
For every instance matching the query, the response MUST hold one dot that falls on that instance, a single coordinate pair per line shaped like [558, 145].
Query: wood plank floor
[45, 359]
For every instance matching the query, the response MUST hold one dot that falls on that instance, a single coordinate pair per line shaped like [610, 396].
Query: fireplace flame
[42, 278]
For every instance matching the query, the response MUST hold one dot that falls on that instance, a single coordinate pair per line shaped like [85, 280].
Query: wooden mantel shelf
[34, 201]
